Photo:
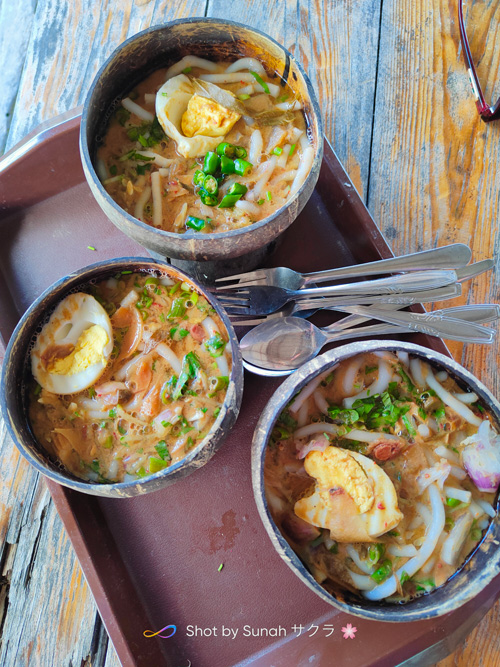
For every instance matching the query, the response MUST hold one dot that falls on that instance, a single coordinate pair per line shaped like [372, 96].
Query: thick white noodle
[158, 159]
[363, 565]
[418, 372]
[321, 402]
[361, 581]
[137, 110]
[283, 158]
[295, 105]
[248, 207]
[246, 90]
[350, 375]
[412, 566]
[284, 177]
[484, 523]
[309, 389]
[210, 329]
[304, 142]
[303, 414]
[166, 281]
[451, 401]
[447, 454]
[424, 430]
[404, 551]
[274, 90]
[157, 199]
[490, 511]
[102, 170]
[454, 542]
[191, 61]
[377, 387]
[129, 299]
[424, 512]
[305, 164]
[251, 64]
[458, 494]
[141, 202]
[237, 77]
[332, 429]
[122, 372]
[467, 397]
[475, 509]
[403, 357]
[263, 180]
[169, 355]
[223, 365]
[180, 218]
[425, 569]
[441, 376]
[255, 149]
[458, 473]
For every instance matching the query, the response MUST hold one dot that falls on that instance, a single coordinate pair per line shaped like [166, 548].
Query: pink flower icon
[349, 631]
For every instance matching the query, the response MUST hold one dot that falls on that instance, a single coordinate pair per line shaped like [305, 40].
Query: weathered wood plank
[434, 174]
[47, 612]
[69, 43]
[337, 44]
[15, 26]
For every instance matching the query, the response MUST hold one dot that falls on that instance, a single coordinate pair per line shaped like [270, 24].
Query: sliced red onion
[298, 529]
[315, 445]
[437, 473]
[481, 458]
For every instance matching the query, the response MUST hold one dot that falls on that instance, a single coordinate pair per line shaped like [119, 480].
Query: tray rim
[69, 121]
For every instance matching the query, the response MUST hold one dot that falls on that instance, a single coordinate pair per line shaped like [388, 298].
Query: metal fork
[258, 300]
[305, 308]
[451, 256]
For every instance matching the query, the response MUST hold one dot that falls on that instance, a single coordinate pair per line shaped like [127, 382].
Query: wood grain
[336, 42]
[435, 173]
[397, 107]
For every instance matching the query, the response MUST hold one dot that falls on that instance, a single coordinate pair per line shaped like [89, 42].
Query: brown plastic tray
[153, 561]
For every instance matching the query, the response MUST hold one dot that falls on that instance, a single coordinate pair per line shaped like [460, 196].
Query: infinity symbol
[150, 633]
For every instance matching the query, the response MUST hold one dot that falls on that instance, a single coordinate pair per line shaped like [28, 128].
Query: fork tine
[250, 275]
[246, 323]
[233, 301]
[236, 310]
[245, 283]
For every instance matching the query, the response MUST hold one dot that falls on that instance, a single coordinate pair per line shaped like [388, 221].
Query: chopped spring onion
[260, 81]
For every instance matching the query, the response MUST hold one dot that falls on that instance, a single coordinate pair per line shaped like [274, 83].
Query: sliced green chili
[195, 223]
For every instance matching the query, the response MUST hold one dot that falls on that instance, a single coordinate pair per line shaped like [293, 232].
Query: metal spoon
[289, 342]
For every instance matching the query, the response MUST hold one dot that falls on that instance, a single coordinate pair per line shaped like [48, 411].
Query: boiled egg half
[74, 346]
[196, 123]
[353, 497]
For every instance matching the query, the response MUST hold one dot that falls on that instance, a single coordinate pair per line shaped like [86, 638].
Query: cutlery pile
[278, 301]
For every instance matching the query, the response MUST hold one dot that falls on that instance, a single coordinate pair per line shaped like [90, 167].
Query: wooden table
[398, 110]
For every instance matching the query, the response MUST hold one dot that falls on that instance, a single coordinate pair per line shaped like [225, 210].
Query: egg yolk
[337, 468]
[207, 117]
[87, 352]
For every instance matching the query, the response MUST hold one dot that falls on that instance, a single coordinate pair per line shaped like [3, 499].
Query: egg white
[354, 526]
[171, 102]
[74, 315]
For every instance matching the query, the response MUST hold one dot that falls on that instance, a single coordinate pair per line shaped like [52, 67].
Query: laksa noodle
[206, 147]
[130, 376]
[382, 474]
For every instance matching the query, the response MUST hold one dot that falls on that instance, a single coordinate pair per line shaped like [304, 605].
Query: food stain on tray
[223, 537]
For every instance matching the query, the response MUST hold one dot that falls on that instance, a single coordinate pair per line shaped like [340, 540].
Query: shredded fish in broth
[156, 169]
[382, 474]
[159, 394]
